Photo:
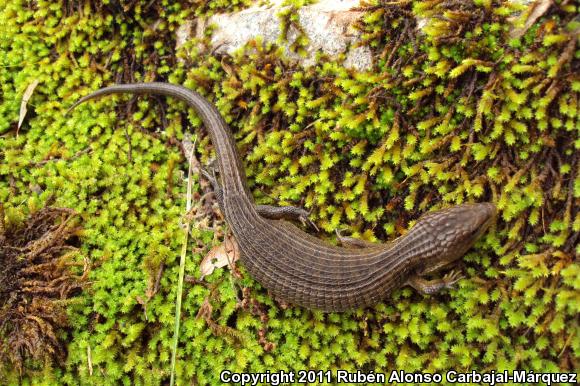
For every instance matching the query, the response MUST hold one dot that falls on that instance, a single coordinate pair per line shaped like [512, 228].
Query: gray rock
[328, 25]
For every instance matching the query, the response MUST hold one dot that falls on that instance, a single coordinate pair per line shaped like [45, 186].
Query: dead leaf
[221, 255]
[23, 105]
[536, 10]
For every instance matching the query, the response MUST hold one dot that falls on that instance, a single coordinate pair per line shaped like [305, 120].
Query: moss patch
[459, 112]
[36, 285]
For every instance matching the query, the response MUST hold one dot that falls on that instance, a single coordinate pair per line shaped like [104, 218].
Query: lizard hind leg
[217, 189]
[292, 213]
[351, 242]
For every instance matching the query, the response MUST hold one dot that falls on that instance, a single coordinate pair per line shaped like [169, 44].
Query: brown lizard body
[302, 269]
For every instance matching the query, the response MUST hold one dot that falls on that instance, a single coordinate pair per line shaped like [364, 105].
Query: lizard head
[456, 229]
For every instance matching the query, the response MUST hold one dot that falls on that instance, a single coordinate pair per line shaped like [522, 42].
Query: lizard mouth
[487, 217]
[491, 214]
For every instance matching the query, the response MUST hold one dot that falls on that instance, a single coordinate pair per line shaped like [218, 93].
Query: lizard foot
[451, 278]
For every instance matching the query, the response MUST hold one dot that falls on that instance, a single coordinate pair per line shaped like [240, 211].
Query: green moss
[459, 112]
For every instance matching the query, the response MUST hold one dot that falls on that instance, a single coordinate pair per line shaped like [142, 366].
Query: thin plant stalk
[181, 271]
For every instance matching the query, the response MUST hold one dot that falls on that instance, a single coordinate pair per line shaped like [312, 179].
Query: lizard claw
[211, 177]
[206, 174]
[451, 278]
[306, 221]
[342, 239]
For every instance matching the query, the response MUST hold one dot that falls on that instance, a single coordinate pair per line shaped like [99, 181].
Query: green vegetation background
[461, 112]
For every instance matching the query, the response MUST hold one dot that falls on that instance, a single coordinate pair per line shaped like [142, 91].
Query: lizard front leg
[428, 287]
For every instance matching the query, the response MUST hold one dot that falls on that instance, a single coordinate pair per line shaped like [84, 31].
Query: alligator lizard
[299, 268]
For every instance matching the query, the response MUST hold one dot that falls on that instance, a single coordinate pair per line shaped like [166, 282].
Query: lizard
[299, 268]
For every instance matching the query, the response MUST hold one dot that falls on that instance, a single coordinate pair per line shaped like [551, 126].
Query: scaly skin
[301, 269]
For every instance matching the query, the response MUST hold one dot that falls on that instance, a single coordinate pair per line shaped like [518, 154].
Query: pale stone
[328, 25]
[183, 33]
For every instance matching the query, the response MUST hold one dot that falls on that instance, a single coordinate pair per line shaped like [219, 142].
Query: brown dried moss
[37, 281]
